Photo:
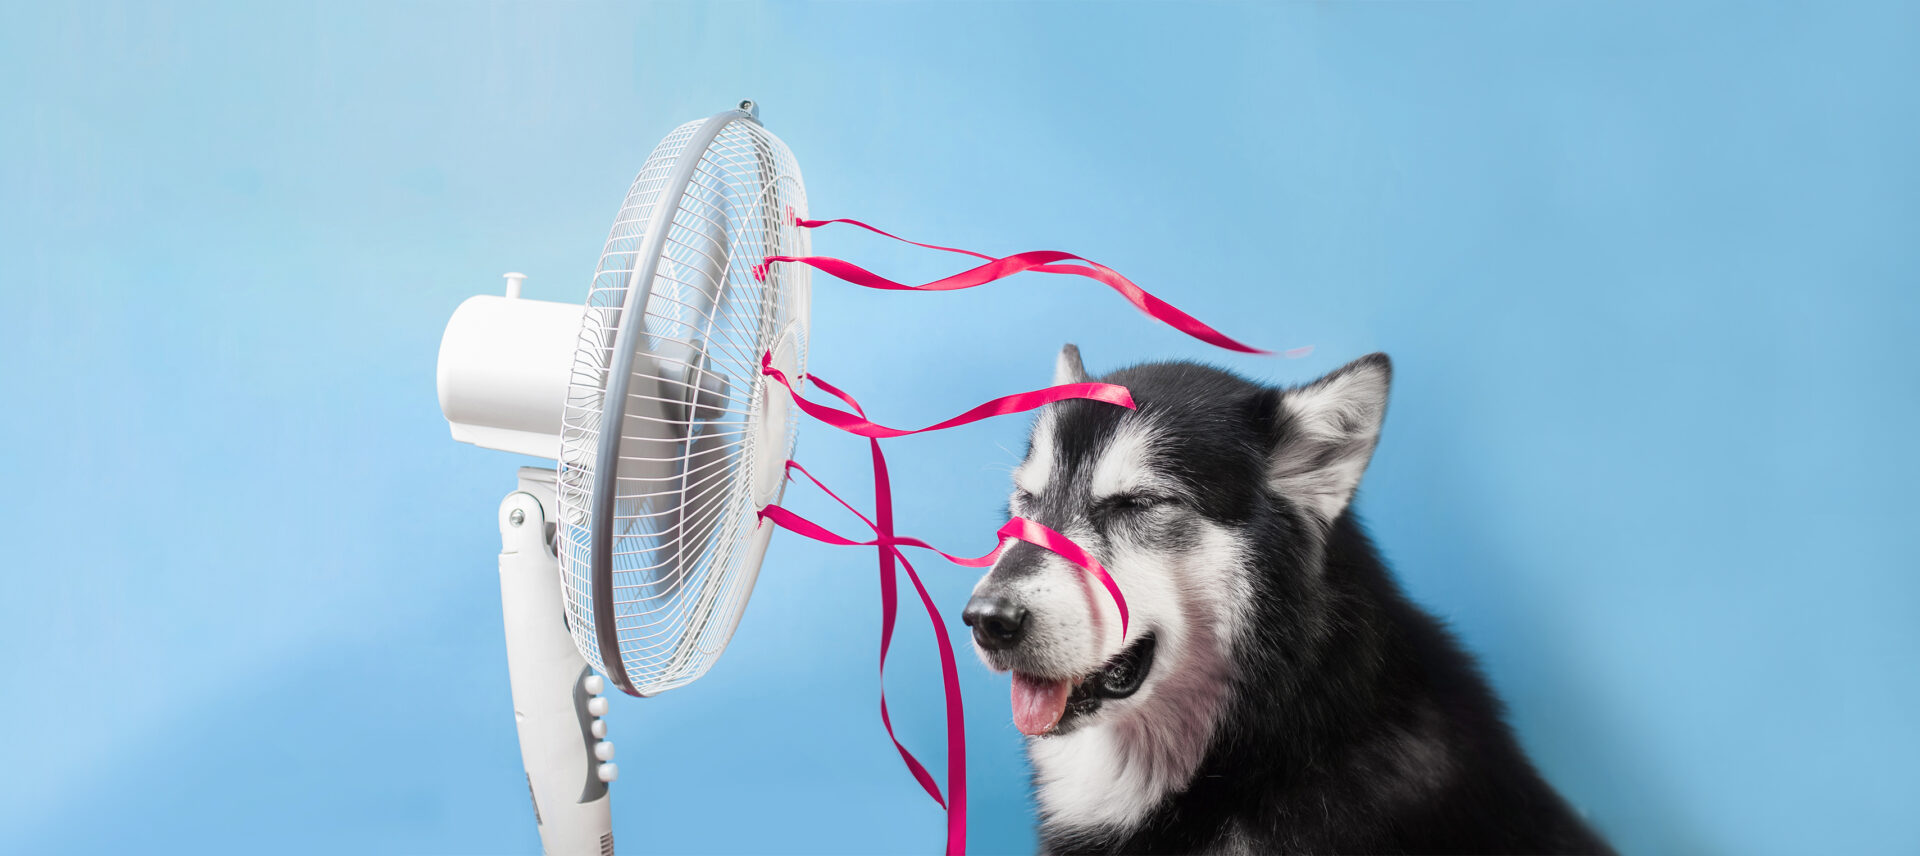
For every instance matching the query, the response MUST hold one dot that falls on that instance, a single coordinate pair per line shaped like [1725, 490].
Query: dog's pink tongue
[1038, 703]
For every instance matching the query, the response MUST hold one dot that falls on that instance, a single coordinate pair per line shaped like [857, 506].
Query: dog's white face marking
[1125, 465]
[1036, 472]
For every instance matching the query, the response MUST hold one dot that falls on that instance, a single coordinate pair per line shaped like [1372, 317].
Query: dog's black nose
[996, 621]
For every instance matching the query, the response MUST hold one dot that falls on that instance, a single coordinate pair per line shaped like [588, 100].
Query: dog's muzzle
[1050, 705]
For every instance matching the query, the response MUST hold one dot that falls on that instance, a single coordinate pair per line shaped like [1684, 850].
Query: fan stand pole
[556, 705]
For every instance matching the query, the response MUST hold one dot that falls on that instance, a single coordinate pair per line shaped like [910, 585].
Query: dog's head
[1175, 498]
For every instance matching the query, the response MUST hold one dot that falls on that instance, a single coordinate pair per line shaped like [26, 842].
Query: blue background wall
[1647, 273]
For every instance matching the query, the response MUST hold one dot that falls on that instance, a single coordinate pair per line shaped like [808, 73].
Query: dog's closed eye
[1133, 503]
[1022, 499]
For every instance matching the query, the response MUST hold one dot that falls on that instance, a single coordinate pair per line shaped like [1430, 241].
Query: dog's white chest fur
[1088, 779]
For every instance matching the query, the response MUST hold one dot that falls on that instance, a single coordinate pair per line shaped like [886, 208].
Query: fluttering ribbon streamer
[857, 423]
[887, 542]
[998, 268]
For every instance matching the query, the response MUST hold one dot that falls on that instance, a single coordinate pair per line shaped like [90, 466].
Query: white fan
[637, 556]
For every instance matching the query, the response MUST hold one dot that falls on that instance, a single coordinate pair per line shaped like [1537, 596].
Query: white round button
[609, 772]
[599, 728]
[597, 706]
[603, 750]
[593, 684]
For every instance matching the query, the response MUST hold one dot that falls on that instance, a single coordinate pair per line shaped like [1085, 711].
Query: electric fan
[636, 556]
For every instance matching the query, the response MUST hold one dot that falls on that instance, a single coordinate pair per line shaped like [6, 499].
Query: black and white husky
[1274, 692]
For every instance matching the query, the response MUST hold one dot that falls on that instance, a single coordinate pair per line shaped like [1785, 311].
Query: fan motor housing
[503, 372]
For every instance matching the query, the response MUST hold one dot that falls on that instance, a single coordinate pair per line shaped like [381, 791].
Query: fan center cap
[773, 429]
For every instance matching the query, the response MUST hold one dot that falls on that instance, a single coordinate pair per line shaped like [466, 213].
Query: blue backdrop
[1647, 273]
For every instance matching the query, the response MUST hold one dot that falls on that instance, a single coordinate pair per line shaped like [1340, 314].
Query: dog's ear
[1067, 367]
[1325, 433]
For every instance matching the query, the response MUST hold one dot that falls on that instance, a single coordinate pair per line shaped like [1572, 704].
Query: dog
[1274, 690]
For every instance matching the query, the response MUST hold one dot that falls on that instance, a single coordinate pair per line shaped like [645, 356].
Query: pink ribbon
[889, 544]
[1041, 261]
[857, 423]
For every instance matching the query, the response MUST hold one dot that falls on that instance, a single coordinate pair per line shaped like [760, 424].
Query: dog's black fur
[1356, 723]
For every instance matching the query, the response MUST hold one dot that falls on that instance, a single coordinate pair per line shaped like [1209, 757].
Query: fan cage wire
[684, 513]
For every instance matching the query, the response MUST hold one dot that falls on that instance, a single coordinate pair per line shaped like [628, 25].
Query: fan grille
[683, 521]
